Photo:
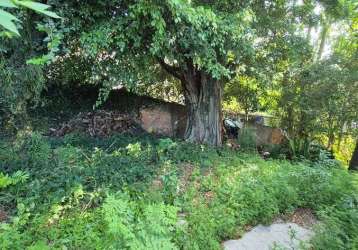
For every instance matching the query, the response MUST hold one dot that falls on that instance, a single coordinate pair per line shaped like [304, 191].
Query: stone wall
[167, 119]
[153, 115]
[268, 135]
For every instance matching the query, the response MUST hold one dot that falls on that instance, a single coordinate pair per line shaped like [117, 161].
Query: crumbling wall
[168, 119]
[153, 115]
[125, 112]
[267, 135]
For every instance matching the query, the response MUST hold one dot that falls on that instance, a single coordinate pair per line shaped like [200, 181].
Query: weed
[88, 193]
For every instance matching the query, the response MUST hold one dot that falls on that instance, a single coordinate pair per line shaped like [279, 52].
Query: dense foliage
[22, 59]
[7, 19]
[278, 47]
[295, 60]
[144, 193]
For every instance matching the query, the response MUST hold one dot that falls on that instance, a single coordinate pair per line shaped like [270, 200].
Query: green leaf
[40, 245]
[39, 60]
[38, 7]
[7, 4]
[8, 16]
[34, 5]
[50, 14]
[6, 20]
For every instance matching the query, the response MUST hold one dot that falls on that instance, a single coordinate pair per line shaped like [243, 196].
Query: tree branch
[174, 71]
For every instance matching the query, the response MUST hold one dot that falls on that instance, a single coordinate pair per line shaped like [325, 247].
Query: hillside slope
[128, 192]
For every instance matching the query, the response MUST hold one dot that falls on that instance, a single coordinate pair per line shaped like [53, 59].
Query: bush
[20, 90]
[313, 154]
[17, 177]
[339, 227]
[35, 148]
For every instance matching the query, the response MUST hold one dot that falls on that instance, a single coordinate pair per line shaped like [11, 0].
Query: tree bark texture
[203, 96]
[353, 165]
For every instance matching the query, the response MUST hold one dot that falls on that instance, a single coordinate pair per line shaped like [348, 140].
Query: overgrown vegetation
[295, 60]
[125, 192]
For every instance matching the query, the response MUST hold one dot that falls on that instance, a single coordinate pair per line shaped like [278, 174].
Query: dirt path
[291, 232]
[275, 236]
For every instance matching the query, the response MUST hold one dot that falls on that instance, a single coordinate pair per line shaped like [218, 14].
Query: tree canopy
[199, 47]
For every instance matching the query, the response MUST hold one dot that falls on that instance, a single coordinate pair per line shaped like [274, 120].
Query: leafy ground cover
[127, 192]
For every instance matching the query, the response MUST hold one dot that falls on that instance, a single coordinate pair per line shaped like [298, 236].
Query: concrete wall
[168, 119]
[267, 135]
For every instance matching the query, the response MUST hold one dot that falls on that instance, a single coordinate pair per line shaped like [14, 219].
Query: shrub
[134, 226]
[37, 150]
[17, 177]
[339, 227]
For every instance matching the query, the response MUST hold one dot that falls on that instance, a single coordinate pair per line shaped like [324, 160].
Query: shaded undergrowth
[127, 192]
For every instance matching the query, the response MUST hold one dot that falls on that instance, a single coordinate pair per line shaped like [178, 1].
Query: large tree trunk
[331, 140]
[353, 165]
[203, 96]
